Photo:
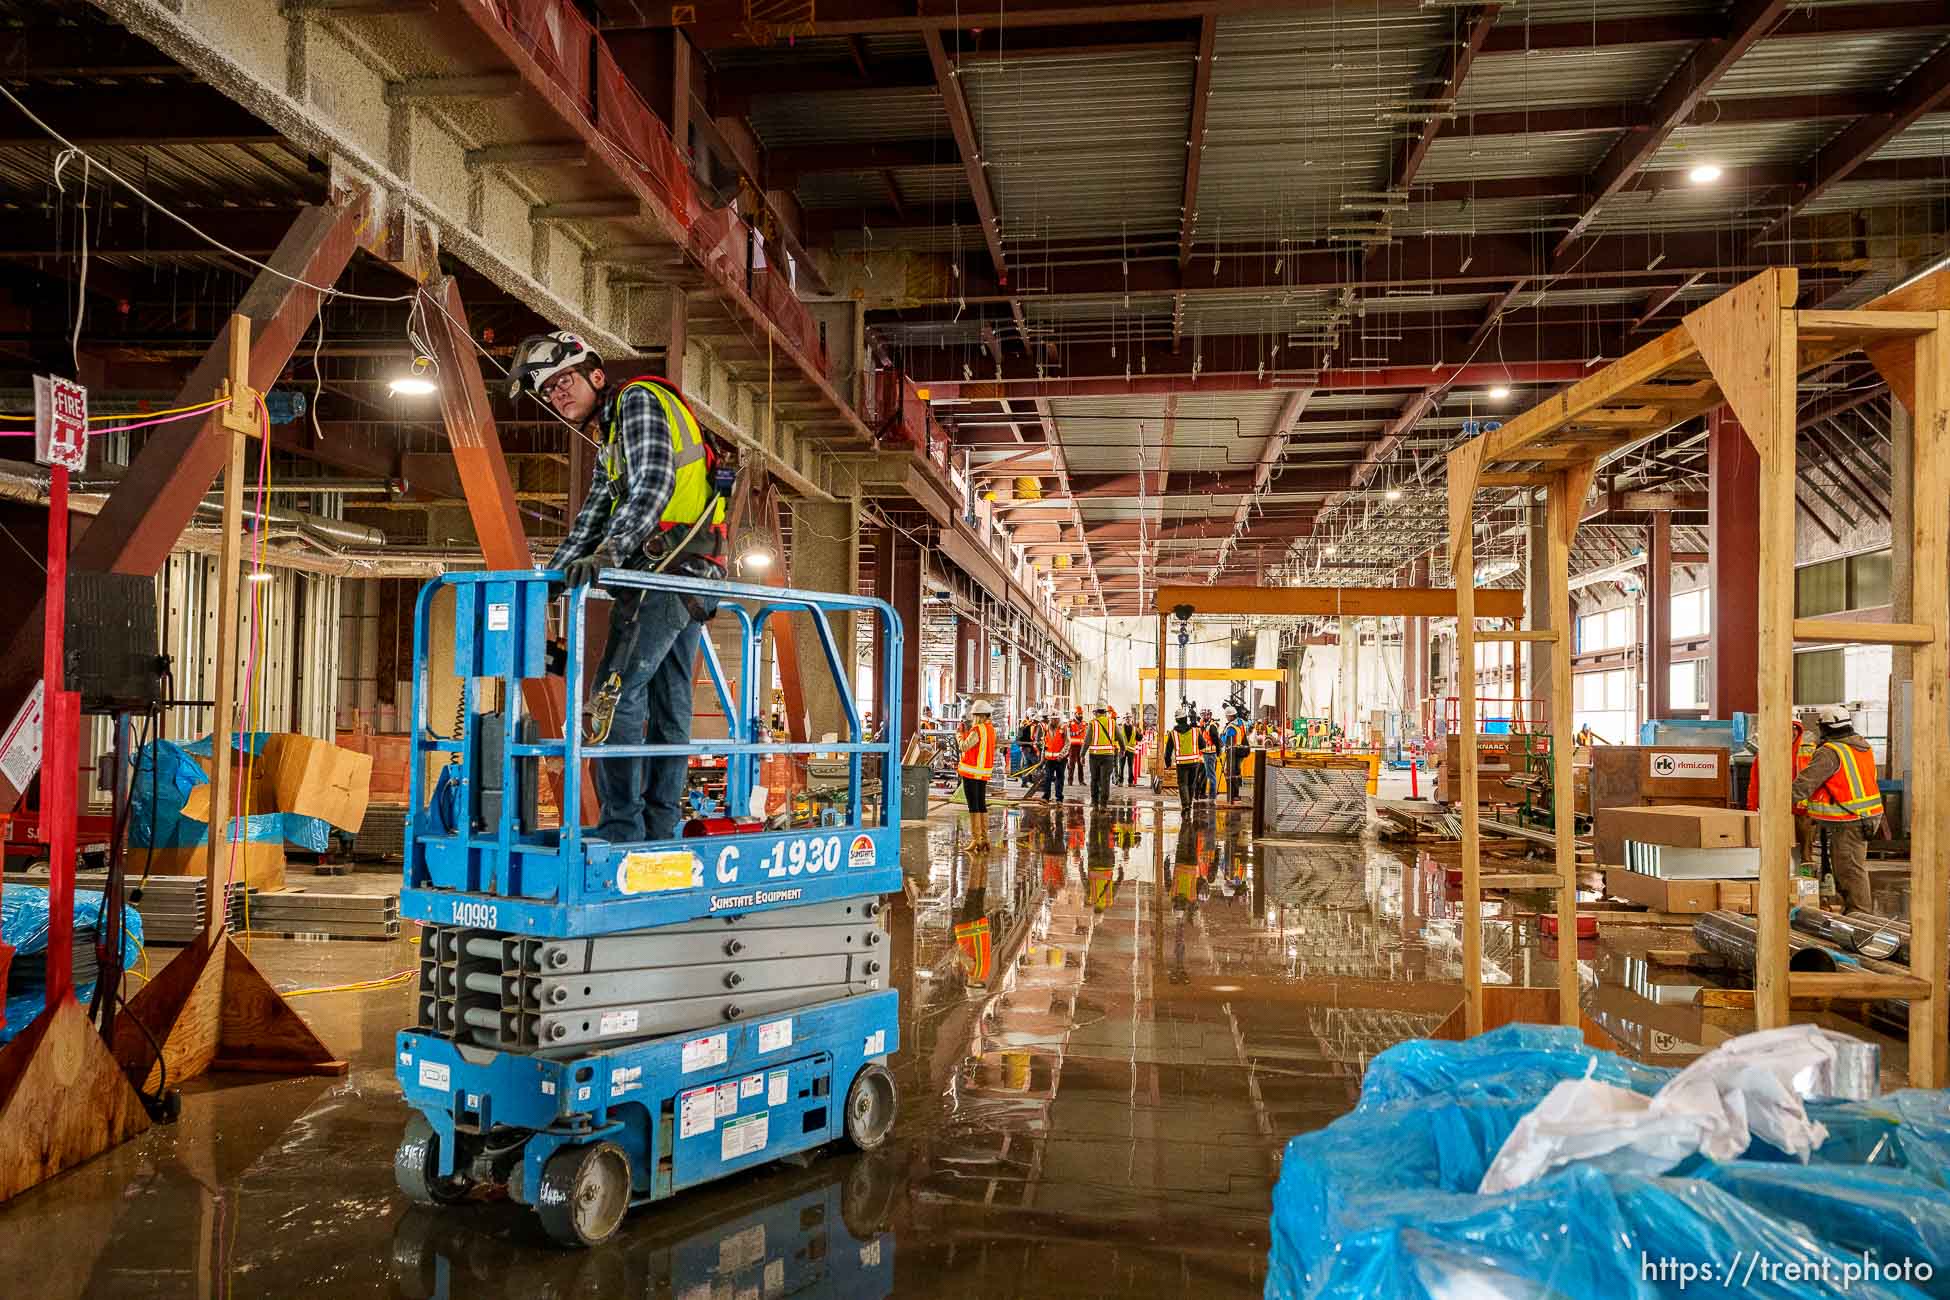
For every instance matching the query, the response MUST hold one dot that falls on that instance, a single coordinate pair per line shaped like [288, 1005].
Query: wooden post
[1158, 750]
[1464, 462]
[1748, 339]
[239, 419]
[1929, 835]
[1566, 501]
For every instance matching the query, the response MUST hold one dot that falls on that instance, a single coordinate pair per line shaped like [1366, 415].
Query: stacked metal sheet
[172, 908]
[523, 994]
[311, 914]
[1317, 801]
[1668, 862]
[382, 835]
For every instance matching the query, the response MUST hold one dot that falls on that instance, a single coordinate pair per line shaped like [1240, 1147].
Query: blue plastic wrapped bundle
[164, 775]
[1347, 1223]
[24, 918]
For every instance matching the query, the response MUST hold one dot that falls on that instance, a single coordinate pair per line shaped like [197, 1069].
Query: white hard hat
[981, 706]
[541, 357]
[1832, 715]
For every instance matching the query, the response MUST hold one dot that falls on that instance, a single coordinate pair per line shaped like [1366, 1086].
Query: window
[1818, 676]
[1608, 630]
[1692, 615]
[1821, 588]
[1607, 702]
[1868, 580]
[1686, 685]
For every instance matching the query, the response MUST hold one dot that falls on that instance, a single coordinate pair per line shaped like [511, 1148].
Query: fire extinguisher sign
[60, 422]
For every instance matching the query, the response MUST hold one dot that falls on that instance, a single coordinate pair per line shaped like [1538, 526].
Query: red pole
[59, 724]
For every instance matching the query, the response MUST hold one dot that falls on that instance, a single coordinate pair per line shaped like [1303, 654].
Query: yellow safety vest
[691, 493]
[1185, 747]
[1852, 793]
[1103, 737]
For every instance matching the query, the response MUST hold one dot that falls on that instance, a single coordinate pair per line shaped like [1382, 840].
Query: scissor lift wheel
[584, 1194]
[414, 1166]
[870, 1106]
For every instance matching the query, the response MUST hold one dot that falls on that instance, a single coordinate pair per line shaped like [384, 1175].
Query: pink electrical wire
[98, 430]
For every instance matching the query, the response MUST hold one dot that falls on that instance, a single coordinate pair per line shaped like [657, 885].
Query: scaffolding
[1744, 349]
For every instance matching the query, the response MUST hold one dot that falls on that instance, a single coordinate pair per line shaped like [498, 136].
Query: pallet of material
[171, 907]
[304, 912]
[382, 835]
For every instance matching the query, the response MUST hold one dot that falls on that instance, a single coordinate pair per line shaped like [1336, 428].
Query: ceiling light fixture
[1393, 494]
[1330, 550]
[416, 382]
[1499, 391]
[1704, 174]
[258, 575]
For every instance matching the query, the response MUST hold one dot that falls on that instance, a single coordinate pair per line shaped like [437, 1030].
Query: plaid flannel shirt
[645, 481]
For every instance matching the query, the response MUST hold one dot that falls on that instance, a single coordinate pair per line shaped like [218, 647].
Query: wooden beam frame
[1747, 348]
[1353, 602]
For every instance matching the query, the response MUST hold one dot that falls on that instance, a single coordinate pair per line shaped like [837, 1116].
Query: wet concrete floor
[1112, 1024]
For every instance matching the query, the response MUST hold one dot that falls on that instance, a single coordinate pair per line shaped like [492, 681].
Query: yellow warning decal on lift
[653, 873]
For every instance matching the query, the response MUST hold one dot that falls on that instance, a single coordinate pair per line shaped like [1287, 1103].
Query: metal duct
[1735, 937]
[1858, 932]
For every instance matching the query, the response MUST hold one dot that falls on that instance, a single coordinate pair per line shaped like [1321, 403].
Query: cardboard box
[1681, 826]
[1687, 896]
[259, 864]
[297, 774]
[1662, 895]
[315, 778]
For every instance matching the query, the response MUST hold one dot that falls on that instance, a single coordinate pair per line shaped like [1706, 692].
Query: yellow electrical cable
[147, 415]
[360, 986]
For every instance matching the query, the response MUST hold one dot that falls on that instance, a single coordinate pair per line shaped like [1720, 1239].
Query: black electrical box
[113, 659]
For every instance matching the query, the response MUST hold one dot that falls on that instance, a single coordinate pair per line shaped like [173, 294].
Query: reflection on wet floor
[1113, 1022]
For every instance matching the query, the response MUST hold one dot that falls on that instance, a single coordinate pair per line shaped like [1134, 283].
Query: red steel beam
[1686, 29]
[962, 124]
[489, 490]
[1675, 102]
[1194, 150]
[1271, 448]
[1446, 84]
[1388, 377]
[1923, 91]
[158, 496]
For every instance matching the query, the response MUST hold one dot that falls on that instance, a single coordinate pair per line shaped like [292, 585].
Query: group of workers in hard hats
[1046, 751]
[1194, 747]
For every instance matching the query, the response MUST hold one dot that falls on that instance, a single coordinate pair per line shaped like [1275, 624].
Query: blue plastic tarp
[165, 773]
[24, 918]
[1383, 1202]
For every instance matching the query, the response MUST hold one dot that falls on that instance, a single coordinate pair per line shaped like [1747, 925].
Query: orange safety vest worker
[1208, 739]
[1803, 751]
[1076, 732]
[1103, 736]
[1056, 742]
[978, 758]
[1852, 793]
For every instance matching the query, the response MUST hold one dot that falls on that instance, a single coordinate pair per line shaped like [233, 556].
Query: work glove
[582, 572]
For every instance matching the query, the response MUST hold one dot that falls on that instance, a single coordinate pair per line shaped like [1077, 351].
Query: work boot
[601, 710]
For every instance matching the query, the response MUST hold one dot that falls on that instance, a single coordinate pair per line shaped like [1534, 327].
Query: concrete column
[1658, 617]
[654, 320]
[1344, 676]
[825, 557]
[1537, 605]
[1733, 549]
[899, 579]
[1415, 651]
[1902, 606]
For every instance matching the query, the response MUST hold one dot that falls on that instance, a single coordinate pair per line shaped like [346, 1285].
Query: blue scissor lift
[602, 1025]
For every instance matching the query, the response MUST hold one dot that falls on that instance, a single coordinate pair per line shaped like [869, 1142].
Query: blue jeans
[1211, 790]
[1053, 778]
[652, 644]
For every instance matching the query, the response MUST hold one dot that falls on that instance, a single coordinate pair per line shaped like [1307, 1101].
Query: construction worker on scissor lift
[1839, 786]
[657, 503]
